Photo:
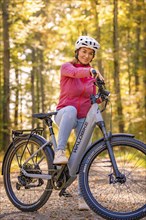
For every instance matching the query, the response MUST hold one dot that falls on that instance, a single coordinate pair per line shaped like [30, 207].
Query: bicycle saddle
[44, 115]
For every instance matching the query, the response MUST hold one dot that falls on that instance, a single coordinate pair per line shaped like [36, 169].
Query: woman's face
[85, 55]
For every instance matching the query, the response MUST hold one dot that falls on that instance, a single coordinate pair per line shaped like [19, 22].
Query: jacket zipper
[84, 89]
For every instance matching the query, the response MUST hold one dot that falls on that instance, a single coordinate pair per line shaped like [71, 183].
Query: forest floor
[57, 208]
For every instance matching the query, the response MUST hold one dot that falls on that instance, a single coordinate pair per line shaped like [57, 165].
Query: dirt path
[55, 209]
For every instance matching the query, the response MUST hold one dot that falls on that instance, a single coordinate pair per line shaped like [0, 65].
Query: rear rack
[24, 134]
[30, 132]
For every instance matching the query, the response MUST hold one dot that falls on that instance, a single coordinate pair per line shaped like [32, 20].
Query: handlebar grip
[94, 72]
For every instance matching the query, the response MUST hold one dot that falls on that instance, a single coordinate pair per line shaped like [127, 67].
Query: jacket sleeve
[67, 69]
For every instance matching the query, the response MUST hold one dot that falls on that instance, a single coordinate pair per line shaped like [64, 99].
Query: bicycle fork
[107, 136]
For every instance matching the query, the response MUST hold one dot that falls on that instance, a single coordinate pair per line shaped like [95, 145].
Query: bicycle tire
[114, 200]
[24, 198]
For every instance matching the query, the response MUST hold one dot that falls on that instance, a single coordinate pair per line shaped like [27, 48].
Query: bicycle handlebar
[102, 92]
[101, 89]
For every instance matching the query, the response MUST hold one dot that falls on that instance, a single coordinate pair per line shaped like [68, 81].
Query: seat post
[49, 124]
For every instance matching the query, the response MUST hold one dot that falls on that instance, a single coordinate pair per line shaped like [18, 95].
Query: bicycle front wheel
[105, 196]
[26, 193]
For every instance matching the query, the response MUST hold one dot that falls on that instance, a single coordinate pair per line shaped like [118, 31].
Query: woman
[76, 86]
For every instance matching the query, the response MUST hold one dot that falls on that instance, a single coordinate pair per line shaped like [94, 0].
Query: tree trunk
[95, 3]
[32, 85]
[16, 98]
[1, 97]
[38, 98]
[6, 72]
[42, 86]
[117, 68]
[20, 101]
[144, 67]
[137, 44]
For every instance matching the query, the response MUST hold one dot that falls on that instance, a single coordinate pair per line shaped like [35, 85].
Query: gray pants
[67, 120]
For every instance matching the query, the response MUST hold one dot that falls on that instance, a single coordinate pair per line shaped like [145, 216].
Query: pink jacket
[76, 86]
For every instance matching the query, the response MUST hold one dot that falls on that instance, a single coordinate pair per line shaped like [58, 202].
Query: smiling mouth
[85, 60]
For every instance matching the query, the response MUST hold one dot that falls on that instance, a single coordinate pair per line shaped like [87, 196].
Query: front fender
[40, 138]
[102, 140]
[112, 136]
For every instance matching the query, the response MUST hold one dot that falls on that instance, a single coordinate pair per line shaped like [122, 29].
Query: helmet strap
[76, 54]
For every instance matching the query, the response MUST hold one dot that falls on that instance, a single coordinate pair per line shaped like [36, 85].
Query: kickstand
[64, 193]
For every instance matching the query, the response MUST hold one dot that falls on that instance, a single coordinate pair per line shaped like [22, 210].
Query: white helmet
[89, 42]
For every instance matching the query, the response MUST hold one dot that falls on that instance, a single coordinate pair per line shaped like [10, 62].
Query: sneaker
[60, 157]
[82, 205]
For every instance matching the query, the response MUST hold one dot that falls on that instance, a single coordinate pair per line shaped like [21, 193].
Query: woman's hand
[96, 74]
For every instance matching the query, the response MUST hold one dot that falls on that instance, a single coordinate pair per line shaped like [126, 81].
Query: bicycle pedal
[66, 194]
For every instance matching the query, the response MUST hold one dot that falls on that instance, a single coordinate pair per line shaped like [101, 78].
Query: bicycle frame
[93, 118]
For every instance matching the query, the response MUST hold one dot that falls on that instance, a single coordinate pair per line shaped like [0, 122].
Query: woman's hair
[74, 61]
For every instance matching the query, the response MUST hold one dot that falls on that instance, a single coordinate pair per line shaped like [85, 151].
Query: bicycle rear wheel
[26, 193]
[105, 196]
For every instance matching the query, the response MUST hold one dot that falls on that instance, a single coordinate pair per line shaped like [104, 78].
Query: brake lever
[99, 83]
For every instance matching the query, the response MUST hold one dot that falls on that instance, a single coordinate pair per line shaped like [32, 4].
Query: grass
[1, 156]
[1, 160]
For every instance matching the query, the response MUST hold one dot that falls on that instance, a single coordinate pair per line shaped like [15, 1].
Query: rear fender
[40, 138]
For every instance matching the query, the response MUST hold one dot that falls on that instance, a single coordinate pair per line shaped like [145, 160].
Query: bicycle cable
[110, 116]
